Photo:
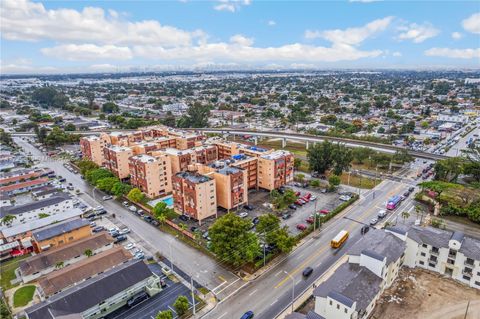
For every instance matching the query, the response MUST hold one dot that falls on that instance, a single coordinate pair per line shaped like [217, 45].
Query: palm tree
[183, 227]
[405, 215]
[59, 265]
[161, 218]
[7, 220]
[88, 253]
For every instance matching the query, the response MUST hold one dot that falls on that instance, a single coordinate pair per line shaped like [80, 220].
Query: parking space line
[228, 286]
[253, 292]
[223, 315]
[278, 273]
[223, 283]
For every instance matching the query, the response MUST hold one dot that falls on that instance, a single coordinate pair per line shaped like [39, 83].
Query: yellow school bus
[339, 239]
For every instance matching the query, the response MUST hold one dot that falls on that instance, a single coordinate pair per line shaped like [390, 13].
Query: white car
[98, 208]
[107, 197]
[124, 230]
[243, 214]
[125, 204]
[344, 198]
[312, 198]
[129, 246]
[112, 230]
[132, 208]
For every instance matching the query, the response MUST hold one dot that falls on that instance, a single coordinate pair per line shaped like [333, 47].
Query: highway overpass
[306, 138]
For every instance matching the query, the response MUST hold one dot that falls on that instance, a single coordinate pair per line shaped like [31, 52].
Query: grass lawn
[23, 295]
[7, 272]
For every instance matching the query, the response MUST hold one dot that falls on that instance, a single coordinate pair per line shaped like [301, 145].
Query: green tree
[320, 157]
[166, 314]
[334, 181]
[70, 127]
[405, 216]
[161, 211]
[92, 176]
[342, 158]
[110, 107]
[135, 195]
[5, 138]
[361, 154]
[269, 228]
[88, 253]
[106, 184]
[297, 163]
[197, 116]
[8, 219]
[232, 240]
[280, 201]
[169, 119]
[181, 305]
[472, 165]
[448, 169]
[59, 265]
[120, 189]
[300, 177]
[402, 157]
[86, 165]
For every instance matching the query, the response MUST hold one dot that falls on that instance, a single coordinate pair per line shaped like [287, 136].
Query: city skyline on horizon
[42, 37]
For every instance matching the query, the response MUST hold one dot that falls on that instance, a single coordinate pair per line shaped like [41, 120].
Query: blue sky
[104, 36]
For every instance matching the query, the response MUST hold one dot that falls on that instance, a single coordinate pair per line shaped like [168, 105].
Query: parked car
[120, 238]
[139, 256]
[243, 214]
[193, 229]
[286, 216]
[301, 226]
[255, 220]
[411, 189]
[147, 218]
[125, 203]
[309, 220]
[313, 198]
[93, 224]
[115, 234]
[373, 222]
[325, 211]
[344, 198]
[125, 230]
[292, 206]
[97, 229]
[406, 194]
[129, 246]
[205, 236]
[107, 197]
[101, 212]
[184, 218]
[132, 208]
[91, 215]
[248, 207]
[307, 271]
[135, 300]
[247, 315]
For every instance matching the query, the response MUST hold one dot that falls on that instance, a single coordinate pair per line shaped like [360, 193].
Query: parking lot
[160, 302]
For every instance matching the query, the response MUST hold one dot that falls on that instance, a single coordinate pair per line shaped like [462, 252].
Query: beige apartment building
[180, 159]
[250, 165]
[117, 160]
[275, 169]
[226, 149]
[92, 149]
[152, 175]
[230, 182]
[194, 195]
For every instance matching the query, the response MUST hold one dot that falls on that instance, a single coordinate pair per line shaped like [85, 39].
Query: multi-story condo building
[178, 159]
[92, 149]
[152, 175]
[250, 164]
[205, 154]
[230, 183]
[275, 169]
[194, 195]
[226, 149]
[117, 159]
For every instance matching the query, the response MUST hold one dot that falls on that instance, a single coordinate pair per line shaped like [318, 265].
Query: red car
[305, 199]
[309, 220]
[325, 211]
[298, 202]
[297, 194]
[301, 226]
[308, 195]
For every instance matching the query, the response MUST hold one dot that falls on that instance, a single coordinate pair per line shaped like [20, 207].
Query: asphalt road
[204, 269]
[268, 295]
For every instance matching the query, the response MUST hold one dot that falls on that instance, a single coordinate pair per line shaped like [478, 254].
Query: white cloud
[85, 52]
[397, 54]
[351, 36]
[231, 5]
[12, 68]
[417, 33]
[30, 21]
[454, 53]
[472, 23]
[457, 35]
[241, 40]
[271, 23]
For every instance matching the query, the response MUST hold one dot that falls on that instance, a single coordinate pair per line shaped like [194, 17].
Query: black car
[406, 194]
[286, 216]
[115, 234]
[292, 206]
[120, 238]
[137, 299]
[364, 229]
[91, 215]
[101, 212]
[62, 180]
[307, 271]
[147, 218]
[255, 220]
[248, 207]
[154, 222]
[183, 217]
[411, 189]
[193, 229]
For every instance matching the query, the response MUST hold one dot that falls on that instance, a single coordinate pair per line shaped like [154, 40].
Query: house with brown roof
[66, 277]
[71, 253]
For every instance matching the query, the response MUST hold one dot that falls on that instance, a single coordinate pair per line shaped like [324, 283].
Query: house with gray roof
[98, 296]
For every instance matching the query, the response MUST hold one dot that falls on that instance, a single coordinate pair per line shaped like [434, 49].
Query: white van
[382, 213]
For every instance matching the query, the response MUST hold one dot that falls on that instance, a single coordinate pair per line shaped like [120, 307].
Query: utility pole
[193, 296]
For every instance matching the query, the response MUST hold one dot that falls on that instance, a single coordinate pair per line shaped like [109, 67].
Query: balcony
[434, 252]
[433, 261]
[467, 272]
[469, 262]
[452, 256]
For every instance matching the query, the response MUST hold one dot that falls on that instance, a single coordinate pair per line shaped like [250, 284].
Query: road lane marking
[300, 256]
[223, 283]
[274, 302]
[278, 273]
[221, 278]
[228, 286]
[253, 292]
[223, 315]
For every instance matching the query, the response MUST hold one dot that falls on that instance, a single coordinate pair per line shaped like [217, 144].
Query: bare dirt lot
[422, 294]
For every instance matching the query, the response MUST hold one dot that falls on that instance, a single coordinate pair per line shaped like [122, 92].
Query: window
[421, 263]
[346, 310]
[466, 277]
[423, 254]
[477, 283]
[331, 303]
[424, 245]
[431, 265]
[469, 261]
[338, 306]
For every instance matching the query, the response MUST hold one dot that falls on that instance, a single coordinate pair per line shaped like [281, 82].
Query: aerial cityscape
[239, 159]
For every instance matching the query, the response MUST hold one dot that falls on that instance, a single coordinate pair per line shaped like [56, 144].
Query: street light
[293, 287]
[171, 255]
[93, 193]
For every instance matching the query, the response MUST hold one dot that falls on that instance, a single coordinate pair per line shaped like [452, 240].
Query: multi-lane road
[269, 294]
